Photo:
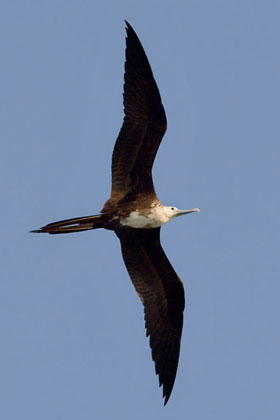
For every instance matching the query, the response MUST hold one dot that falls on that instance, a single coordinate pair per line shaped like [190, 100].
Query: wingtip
[166, 398]
[129, 28]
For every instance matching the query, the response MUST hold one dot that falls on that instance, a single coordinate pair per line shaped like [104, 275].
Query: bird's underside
[157, 284]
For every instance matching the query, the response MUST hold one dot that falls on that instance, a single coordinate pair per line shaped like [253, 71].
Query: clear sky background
[73, 342]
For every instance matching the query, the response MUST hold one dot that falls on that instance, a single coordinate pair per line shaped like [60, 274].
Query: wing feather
[162, 294]
[144, 122]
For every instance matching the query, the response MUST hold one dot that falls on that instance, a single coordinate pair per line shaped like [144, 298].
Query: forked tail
[72, 225]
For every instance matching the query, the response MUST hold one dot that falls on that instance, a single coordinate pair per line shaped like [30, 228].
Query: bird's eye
[172, 208]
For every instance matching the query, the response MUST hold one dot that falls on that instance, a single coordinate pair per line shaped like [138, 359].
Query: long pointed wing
[162, 294]
[144, 123]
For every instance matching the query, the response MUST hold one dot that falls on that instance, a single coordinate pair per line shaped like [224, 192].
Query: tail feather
[77, 224]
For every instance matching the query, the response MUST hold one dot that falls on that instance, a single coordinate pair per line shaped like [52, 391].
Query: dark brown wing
[144, 123]
[162, 294]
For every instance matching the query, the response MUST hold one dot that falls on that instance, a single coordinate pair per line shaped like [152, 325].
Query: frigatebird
[135, 213]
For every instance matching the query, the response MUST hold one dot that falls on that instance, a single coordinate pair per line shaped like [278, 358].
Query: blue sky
[72, 332]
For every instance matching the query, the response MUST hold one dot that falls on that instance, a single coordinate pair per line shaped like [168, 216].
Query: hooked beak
[181, 212]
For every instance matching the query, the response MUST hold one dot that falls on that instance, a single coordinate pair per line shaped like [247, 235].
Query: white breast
[154, 219]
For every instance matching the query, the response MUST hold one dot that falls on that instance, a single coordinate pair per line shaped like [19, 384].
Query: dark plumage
[135, 213]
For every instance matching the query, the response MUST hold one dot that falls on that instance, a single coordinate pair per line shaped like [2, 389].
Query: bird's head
[170, 212]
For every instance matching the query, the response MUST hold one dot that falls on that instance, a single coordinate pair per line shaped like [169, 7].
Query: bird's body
[153, 217]
[135, 213]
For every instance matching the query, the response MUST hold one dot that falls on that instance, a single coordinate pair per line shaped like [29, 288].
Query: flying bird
[135, 213]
